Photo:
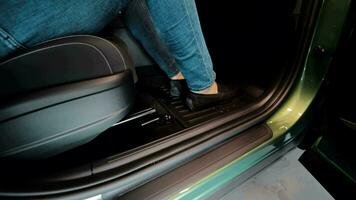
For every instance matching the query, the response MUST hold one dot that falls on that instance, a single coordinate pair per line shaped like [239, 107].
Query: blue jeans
[169, 30]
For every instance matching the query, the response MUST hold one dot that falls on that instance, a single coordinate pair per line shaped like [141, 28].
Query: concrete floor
[286, 179]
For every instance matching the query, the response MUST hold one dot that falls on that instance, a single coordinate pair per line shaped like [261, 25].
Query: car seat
[61, 94]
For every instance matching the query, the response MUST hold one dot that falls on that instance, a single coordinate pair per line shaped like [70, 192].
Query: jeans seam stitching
[10, 41]
[195, 40]
[148, 19]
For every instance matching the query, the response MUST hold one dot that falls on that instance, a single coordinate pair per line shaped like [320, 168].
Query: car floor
[285, 179]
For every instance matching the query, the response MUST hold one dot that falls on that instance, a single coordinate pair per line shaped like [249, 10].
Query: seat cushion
[59, 61]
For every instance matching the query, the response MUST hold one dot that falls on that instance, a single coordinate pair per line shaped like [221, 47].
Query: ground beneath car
[285, 179]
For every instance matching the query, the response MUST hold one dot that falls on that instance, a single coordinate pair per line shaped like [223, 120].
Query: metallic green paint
[289, 120]
[349, 124]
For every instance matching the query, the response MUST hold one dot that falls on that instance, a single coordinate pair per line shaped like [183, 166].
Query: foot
[177, 85]
[178, 76]
[178, 88]
[213, 89]
[196, 101]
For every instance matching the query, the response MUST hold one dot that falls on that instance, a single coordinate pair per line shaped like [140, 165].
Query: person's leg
[179, 27]
[26, 23]
[140, 23]
[170, 31]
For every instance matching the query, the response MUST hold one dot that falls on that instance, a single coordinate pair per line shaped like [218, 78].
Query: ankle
[178, 76]
[213, 89]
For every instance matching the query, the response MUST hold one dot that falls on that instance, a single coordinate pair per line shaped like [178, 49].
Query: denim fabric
[139, 21]
[178, 25]
[34, 21]
[168, 29]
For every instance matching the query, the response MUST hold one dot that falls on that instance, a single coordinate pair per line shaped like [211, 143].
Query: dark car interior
[335, 126]
[93, 114]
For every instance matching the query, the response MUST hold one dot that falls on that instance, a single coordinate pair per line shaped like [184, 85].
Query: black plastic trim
[202, 166]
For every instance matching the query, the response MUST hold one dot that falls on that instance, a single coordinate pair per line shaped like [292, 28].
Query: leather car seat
[62, 94]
